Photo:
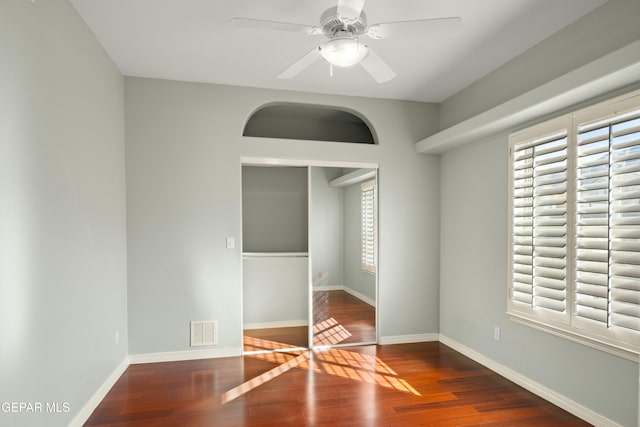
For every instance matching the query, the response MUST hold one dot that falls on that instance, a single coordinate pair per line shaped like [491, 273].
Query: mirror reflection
[343, 247]
[275, 265]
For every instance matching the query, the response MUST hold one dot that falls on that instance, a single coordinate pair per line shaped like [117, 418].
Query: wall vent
[204, 332]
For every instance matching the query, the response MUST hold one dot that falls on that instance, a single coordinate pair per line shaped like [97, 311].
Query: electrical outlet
[496, 333]
[116, 337]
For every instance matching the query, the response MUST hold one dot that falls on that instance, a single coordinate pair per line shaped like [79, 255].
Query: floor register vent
[204, 332]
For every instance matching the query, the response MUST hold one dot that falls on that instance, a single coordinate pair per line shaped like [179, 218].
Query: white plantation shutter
[539, 221]
[608, 223]
[522, 211]
[368, 226]
[574, 240]
[592, 225]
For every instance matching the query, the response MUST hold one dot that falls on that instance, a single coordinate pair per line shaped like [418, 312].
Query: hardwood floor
[355, 316]
[425, 384]
[338, 318]
[276, 338]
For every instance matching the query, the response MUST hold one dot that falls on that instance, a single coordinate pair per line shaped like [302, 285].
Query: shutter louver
[368, 226]
[608, 222]
[592, 225]
[522, 280]
[625, 223]
[539, 248]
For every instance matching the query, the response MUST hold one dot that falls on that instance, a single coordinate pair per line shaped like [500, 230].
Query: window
[369, 225]
[575, 226]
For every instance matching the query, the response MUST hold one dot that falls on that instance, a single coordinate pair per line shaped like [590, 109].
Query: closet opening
[309, 260]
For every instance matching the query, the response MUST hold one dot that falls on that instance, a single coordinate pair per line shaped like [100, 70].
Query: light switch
[231, 243]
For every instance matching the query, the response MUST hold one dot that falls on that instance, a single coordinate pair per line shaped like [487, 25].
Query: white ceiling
[191, 40]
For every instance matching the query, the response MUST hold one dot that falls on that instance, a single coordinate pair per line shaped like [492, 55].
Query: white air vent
[204, 332]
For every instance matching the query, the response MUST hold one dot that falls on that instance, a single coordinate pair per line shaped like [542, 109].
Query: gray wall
[354, 278]
[610, 27]
[275, 289]
[326, 228]
[473, 292]
[184, 148]
[274, 209]
[473, 288]
[62, 211]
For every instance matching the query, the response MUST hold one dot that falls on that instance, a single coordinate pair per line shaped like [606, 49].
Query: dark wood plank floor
[338, 317]
[426, 384]
[276, 338]
[355, 316]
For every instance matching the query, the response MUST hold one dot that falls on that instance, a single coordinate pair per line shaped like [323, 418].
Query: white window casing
[574, 237]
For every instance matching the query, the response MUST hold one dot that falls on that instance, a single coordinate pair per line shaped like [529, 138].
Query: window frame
[567, 324]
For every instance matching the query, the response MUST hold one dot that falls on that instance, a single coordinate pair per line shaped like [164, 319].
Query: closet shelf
[275, 254]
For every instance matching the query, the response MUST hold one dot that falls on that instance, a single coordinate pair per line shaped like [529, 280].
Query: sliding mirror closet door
[275, 257]
[343, 243]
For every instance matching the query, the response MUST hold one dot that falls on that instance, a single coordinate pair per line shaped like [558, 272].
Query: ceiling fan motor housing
[332, 25]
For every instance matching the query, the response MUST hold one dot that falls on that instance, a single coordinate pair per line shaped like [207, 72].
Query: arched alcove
[308, 122]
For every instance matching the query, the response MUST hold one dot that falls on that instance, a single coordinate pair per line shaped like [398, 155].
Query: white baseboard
[85, 412]
[408, 339]
[348, 290]
[279, 324]
[536, 388]
[328, 288]
[177, 356]
[360, 296]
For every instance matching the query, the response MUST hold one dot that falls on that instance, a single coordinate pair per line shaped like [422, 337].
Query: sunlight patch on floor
[263, 378]
[338, 362]
[329, 332]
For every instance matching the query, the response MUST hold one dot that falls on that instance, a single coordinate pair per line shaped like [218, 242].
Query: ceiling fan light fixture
[344, 51]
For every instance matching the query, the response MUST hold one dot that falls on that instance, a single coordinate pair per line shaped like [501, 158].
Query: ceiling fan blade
[294, 69]
[378, 69]
[259, 24]
[418, 28]
[350, 10]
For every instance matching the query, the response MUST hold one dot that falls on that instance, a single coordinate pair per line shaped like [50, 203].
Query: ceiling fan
[343, 25]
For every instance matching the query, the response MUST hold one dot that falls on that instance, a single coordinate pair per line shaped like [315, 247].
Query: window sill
[573, 336]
